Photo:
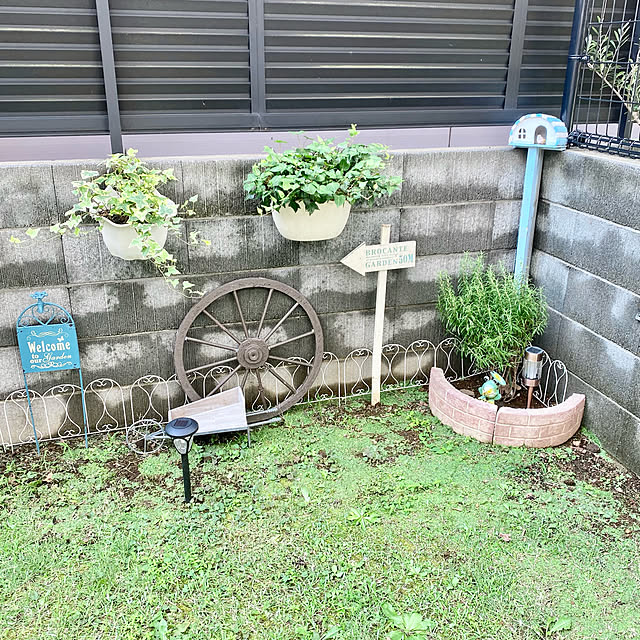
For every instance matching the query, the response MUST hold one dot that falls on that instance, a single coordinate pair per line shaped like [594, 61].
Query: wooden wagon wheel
[277, 339]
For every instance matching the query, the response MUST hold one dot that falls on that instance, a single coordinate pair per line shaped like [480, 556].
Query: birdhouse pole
[530, 193]
[535, 132]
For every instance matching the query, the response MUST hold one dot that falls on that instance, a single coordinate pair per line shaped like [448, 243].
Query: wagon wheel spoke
[211, 365]
[244, 324]
[276, 375]
[264, 313]
[225, 380]
[220, 326]
[211, 344]
[260, 388]
[302, 335]
[293, 362]
[284, 317]
[244, 379]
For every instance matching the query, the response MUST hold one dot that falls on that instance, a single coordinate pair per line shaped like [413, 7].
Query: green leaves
[362, 517]
[493, 317]
[318, 173]
[409, 626]
[560, 624]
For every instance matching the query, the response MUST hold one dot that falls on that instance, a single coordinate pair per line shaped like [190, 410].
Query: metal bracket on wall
[109, 74]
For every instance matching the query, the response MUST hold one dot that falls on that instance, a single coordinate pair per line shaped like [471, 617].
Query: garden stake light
[531, 370]
[181, 431]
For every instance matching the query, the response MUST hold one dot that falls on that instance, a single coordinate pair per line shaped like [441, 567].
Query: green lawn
[319, 530]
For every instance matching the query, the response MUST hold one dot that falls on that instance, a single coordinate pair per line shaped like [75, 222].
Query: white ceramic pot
[326, 222]
[118, 238]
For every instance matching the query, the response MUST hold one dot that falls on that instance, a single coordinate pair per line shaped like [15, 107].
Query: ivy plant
[493, 315]
[127, 193]
[320, 172]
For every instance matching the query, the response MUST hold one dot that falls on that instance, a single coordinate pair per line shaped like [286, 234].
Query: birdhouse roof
[535, 119]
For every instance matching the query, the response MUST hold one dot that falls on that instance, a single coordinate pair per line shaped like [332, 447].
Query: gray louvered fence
[91, 66]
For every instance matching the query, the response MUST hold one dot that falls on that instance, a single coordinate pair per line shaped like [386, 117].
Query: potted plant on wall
[493, 317]
[132, 216]
[310, 190]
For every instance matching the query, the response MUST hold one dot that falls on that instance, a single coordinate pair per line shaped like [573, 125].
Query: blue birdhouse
[539, 130]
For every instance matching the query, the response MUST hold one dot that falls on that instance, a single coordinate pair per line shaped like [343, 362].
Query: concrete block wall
[451, 201]
[587, 258]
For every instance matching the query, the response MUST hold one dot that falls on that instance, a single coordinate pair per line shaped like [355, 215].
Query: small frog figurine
[490, 390]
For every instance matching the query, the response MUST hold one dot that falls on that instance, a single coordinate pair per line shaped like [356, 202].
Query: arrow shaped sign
[381, 257]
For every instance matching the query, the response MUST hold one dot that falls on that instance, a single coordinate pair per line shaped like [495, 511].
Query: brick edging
[505, 426]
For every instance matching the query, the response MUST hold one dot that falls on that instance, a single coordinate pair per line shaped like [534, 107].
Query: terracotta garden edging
[511, 427]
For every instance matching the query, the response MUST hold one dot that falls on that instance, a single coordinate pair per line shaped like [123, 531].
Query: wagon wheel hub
[253, 353]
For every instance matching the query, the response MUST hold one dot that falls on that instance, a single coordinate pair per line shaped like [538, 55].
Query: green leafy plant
[320, 172]
[126, 193]
[362, 517]
[493, 316]
[409, 626]
[604, 49]
[557, 625]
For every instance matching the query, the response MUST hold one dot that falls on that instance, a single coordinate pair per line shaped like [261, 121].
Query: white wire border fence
[113, 407]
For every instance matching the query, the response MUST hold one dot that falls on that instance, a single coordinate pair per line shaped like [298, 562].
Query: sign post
[381, 257]
[48, 341]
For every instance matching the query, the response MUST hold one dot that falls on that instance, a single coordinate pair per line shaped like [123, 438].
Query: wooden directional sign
[380, 257]
[377, 257]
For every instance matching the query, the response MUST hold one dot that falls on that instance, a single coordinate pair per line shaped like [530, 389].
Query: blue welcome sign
[47, 348]
[48, 341]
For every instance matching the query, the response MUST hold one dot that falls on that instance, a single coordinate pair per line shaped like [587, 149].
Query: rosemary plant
[493, 316]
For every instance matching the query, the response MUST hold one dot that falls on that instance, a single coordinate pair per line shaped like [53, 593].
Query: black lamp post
[181, 431]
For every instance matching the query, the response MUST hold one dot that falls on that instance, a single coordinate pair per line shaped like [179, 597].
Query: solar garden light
[181, 431]
[531, 370]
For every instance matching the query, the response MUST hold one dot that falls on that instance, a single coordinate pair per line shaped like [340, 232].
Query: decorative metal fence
[604, 83]
[112, 407]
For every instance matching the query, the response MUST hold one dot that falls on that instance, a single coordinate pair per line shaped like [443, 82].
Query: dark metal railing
[601, 104]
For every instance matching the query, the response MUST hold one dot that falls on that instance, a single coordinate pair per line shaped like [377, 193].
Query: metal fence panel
[50, 68]
[363, 55]
[544, 58]
[178, 59]
[605, 96]
[241, 64]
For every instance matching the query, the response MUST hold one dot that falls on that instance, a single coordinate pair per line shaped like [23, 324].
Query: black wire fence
[606, 103]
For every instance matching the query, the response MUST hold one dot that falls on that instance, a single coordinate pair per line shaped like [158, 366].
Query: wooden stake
[381, 298]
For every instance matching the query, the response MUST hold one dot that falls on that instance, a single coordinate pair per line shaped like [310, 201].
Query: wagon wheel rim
[143, 437]
[252, 353]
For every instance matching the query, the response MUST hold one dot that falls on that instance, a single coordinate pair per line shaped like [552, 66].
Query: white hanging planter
[325, 223]
[118, 239]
